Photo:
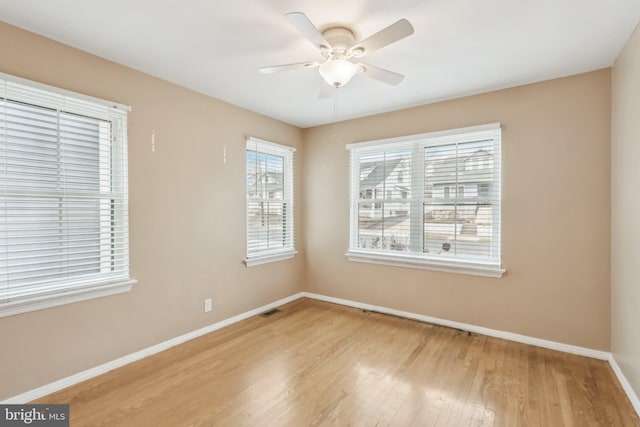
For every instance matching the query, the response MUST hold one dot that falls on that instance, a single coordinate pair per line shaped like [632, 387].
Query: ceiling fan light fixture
[337, 72]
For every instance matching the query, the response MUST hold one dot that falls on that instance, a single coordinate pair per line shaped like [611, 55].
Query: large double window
[63, 197]
[269, 185]
[428, 201]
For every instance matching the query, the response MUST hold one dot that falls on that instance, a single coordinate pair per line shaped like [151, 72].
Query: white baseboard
[626, 386]
[106, 367]
[109, 366]
[566, 348]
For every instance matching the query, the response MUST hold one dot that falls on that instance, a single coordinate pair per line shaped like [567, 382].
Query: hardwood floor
[317, 363]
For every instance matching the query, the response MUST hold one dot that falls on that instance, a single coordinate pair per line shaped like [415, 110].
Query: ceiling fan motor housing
[340, 39]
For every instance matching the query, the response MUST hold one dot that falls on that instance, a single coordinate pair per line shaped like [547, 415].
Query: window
[448, 214]
[483, 189]
[270, 220]
[63, 197]
[453, 191]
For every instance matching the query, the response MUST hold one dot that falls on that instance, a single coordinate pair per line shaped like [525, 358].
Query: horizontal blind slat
[46, 282]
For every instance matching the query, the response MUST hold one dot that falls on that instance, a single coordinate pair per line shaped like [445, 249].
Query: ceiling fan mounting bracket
[340, 39]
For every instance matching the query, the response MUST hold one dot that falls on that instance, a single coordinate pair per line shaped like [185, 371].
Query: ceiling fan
[338, 47]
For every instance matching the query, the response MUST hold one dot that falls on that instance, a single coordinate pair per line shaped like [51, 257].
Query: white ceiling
[460, 47]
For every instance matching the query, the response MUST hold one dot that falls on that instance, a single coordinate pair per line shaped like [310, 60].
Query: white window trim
[40, 301]
[63, 92]
[415, 259]
[269, 256]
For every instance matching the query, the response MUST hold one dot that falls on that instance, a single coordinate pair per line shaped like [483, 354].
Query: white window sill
[41, 302]
[260, 259]
[412, 261]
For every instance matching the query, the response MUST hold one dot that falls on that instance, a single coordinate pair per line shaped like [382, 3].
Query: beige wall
[186, 220]
[187, 225]
[556, 175]
[625, 211]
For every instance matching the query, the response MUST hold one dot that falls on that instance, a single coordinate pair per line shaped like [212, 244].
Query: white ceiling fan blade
[287, 67]
[385, 76]
[304, 25]
[385, 37]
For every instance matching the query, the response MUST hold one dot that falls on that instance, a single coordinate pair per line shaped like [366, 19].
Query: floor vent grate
[271, 312]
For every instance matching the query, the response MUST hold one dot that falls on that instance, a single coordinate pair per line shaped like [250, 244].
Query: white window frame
[76, 289]
[272, 255]
[416, 258]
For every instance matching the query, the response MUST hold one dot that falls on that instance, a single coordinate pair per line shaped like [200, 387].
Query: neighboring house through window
[442, 209]
[269, 212]
[63, 197]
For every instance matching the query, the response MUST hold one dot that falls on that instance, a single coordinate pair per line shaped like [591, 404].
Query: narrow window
[269, 213]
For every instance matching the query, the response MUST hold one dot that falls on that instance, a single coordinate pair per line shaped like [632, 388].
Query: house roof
[270, 181]
[452, 169]
[380, 172]
[446, 169]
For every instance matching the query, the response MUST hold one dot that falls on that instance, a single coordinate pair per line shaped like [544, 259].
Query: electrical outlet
[207, 305]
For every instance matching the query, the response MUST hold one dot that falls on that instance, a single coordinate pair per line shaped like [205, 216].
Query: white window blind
[269, 186]
[429, 201]
[63, 192]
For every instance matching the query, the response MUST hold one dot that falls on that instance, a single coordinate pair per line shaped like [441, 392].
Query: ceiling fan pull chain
[336, 102]
[336, 111]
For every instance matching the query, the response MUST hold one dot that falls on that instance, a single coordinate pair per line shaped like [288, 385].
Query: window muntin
[445, 198]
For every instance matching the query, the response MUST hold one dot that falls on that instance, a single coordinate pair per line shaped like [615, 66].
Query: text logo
[34, 415]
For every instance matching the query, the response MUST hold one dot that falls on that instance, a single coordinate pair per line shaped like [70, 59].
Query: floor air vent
[270, 313]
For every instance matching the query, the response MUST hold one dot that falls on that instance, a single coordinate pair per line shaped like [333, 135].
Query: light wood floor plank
[320, 364]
